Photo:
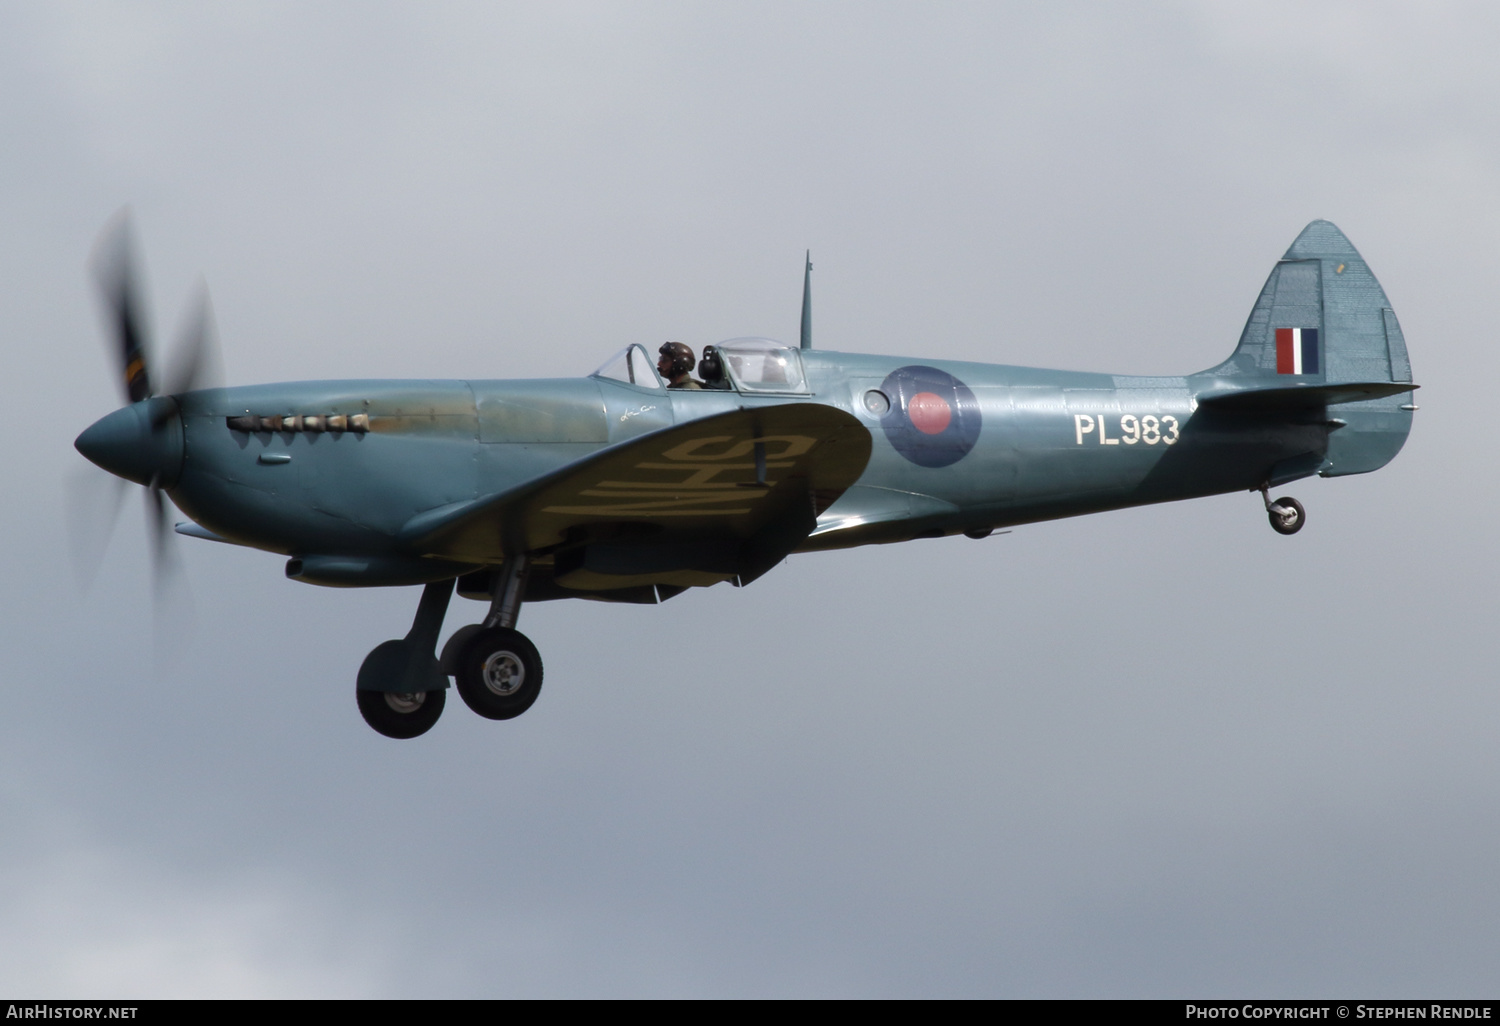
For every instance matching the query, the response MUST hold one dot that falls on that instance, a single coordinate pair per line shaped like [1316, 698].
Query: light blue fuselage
[1049, 444]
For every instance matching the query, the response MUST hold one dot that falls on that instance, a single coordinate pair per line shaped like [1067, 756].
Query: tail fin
[1322, 320]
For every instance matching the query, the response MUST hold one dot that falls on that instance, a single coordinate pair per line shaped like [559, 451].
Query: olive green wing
[722, 498]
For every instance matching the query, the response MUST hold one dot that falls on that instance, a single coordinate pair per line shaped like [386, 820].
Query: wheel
[401, 715]
[1290, 522]
[499, 673]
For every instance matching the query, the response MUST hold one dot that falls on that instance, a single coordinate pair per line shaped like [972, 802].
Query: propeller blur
[142, 441]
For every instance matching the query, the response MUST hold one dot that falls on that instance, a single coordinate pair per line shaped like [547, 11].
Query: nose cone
[141, 442]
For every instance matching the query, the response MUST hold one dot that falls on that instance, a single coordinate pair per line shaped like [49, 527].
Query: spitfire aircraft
[616, 487]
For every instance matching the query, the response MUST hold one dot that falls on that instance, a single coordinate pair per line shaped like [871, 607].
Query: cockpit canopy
[754, 365]
[763, 365]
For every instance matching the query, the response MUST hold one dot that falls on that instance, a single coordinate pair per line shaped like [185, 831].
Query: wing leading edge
[722, 498]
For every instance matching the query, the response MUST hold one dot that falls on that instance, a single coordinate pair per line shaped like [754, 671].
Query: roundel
[934, 419]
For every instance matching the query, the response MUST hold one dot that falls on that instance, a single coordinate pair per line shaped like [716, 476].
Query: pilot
[676, 365]
[711, 368]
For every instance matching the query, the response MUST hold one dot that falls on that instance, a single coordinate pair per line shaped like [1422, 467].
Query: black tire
[1292, 521]
[401, 716]
[499, 673]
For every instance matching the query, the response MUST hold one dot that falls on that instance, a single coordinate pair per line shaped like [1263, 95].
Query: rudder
[1322, 319]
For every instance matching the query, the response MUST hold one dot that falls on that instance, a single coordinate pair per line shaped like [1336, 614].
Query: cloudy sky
[1164, 752]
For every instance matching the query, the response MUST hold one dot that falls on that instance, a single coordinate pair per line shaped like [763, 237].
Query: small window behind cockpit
[631, 365]
[763, 365]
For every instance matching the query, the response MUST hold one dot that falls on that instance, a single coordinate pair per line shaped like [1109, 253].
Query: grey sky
[1164, 752]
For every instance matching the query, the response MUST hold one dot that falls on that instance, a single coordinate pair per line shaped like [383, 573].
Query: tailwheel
[499, 673]
[401, 715]
[1287, 515]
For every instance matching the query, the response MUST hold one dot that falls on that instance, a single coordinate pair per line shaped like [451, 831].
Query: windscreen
[631, 365]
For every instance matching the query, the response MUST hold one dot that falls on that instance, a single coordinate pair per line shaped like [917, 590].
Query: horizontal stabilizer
[1301, 397]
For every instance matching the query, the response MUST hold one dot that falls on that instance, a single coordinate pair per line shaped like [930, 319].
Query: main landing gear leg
[506, 593]
[496, 667]
[401, 688]
[1286, 513]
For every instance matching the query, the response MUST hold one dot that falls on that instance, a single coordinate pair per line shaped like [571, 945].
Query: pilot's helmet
[681, 356]
[711, 368]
